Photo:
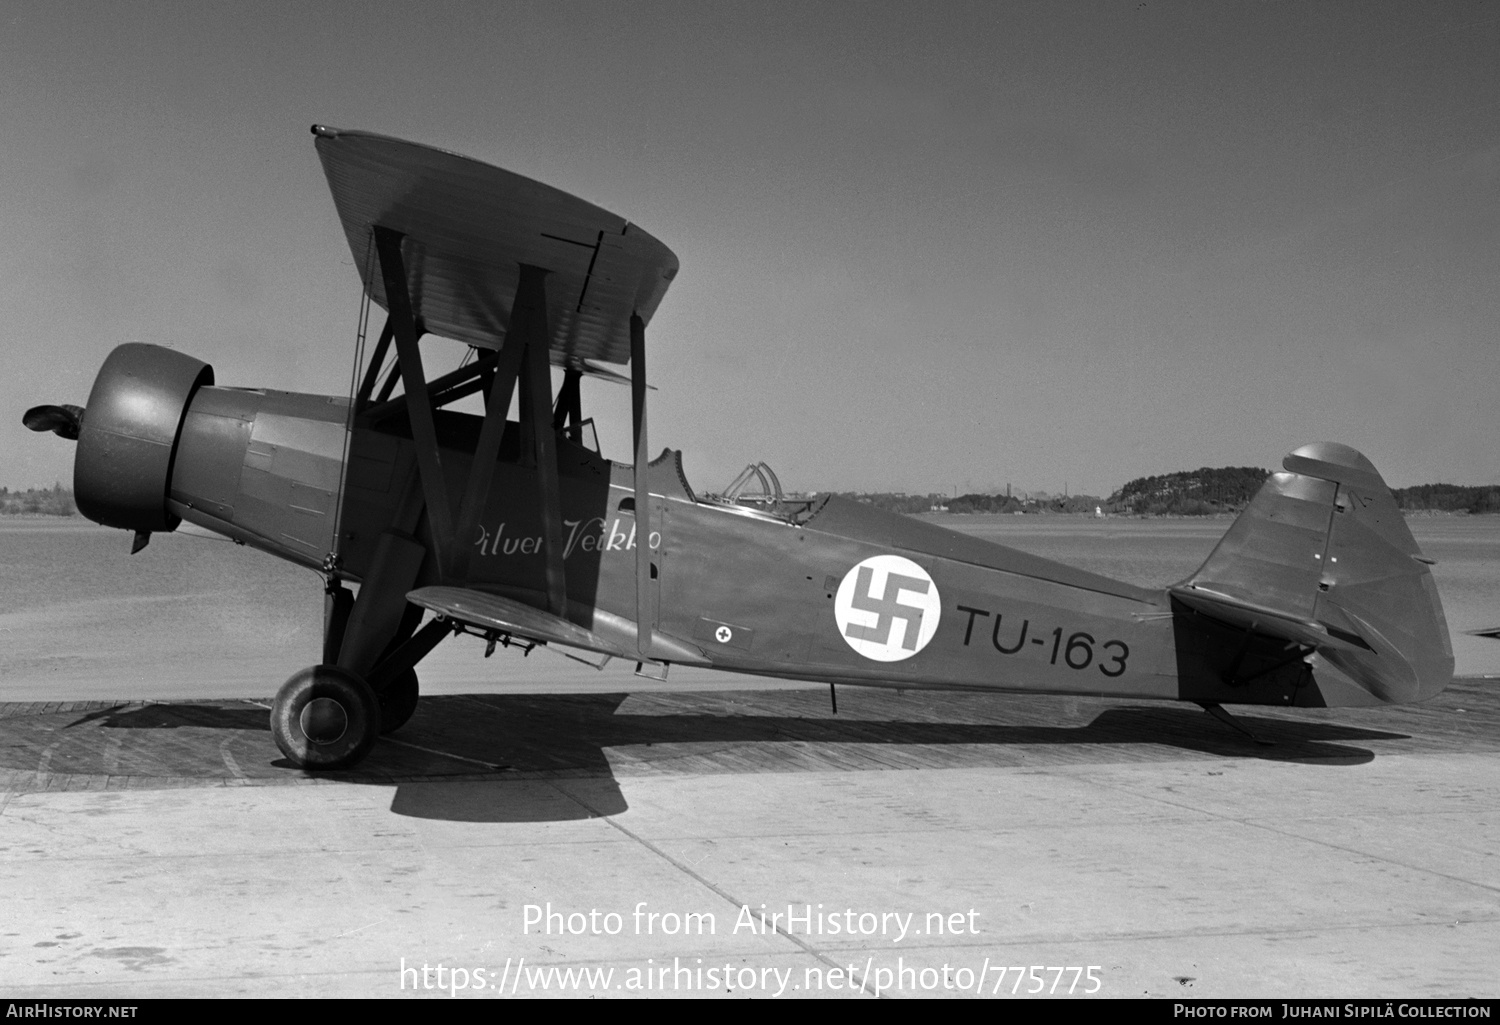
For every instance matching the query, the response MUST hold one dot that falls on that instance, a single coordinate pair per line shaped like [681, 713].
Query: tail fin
[1323, 559]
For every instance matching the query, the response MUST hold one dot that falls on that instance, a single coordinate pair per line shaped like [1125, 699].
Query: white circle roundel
[887, 608]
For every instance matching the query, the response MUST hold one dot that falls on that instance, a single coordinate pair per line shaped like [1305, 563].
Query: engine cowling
[122, 472]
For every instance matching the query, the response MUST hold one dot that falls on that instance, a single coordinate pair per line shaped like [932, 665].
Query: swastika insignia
[887, 608]
[723, 635]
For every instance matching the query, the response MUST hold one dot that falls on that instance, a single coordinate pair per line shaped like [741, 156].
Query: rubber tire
[350, 693]
[398, 702]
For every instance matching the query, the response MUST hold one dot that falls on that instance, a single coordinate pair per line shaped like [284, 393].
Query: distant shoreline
[44, 521]
[1407, 513]
[10, 519]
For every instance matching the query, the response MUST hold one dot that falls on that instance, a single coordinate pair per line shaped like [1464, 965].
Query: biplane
[427, 521]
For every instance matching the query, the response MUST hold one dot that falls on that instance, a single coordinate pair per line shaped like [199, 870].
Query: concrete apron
[752, 844]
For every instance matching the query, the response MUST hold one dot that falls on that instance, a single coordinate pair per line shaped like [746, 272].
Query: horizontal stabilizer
[1267, 621]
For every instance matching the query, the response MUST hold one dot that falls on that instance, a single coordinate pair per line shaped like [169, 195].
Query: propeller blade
[64, 421]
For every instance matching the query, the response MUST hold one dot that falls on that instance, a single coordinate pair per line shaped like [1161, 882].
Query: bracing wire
[361, 330]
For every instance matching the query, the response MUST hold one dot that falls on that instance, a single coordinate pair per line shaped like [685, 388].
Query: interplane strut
[414, 382]
[645, 604]
[522, 360]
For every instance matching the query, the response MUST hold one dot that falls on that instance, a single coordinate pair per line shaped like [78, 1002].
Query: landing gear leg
[338, 601]
[394, 680]
[398, 701]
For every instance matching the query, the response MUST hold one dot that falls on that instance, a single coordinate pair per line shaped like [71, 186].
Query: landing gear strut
[398, 701]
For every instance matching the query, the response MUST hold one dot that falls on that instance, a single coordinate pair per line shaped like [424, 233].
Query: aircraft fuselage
[840, 592]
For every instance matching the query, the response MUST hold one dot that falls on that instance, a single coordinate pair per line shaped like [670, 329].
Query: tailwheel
[325, 717]
[398, 701]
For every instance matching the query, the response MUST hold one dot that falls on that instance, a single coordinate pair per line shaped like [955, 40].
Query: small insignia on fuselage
[729, 635]
[887, 608]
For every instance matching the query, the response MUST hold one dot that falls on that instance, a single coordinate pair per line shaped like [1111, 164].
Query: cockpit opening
[757, 488]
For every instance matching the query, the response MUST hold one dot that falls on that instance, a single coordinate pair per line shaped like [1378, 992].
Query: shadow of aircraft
[550, 757]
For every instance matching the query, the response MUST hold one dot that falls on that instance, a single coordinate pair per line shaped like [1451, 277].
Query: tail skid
[1323, 560]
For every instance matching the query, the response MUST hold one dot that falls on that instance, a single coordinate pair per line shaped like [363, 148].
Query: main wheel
[398, 702]
[325, 717]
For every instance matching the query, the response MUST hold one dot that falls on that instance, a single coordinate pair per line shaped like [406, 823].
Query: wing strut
[445, 390]
[522, 359]
[414, 383]
[497, 404]
[645, 608]
[377, 361]
[528, 317]
[569, 412]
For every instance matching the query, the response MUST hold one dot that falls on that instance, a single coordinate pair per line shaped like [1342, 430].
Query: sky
[925, 247]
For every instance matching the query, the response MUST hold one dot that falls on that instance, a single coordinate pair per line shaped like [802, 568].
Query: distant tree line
[1189, 492]
[900, 502]
[895, 501]
[1029, 504]
[1449, 498]
[1230, 488]
[54, 501]
[1201, 492]
[1196, 493]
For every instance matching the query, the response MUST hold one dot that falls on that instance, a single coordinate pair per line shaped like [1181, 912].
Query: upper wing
[470, 226]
